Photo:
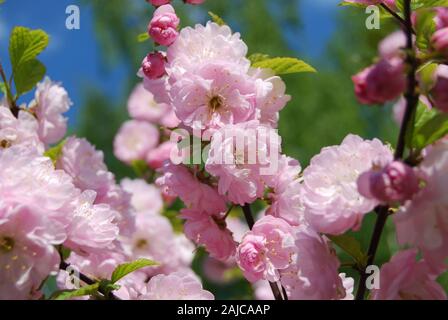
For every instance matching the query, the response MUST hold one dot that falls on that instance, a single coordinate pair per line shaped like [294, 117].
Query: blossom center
[216, 102]
[5, 144]
[6, 244]
[141, 244]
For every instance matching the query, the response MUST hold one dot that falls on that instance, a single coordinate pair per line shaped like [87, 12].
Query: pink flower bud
[380, 83]
[153, 66]
[194, 1]
[440, 41]
[158, 3]
[163, 26]
[395, 182]
[439, 93]
[442, 18]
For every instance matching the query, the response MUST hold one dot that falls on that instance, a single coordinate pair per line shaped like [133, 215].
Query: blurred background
[98, 64]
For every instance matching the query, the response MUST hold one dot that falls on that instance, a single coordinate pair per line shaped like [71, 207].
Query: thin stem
[250, 222]
[395, 15]
[14, 109]
[412, 97]
[64, 265]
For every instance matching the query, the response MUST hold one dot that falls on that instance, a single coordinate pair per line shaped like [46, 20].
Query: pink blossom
[405, 278]
[422, 222]
[158, 3]
[440, 41]
[439, 92]
[202, 45]
[194, 1]
[393, 45]
[314, 274]
[380, 83]
[442, 18]
[266, 249]
[270, 97]
[143, 106]
[92, 227]
[153, 239]
[85, 165]
[285, 195]
[163, 26]
[145, 197]
[157, 157]
[153, 65]
[50, 102]
[27, 252]
[134, 140]
[395, 182]
[177, 180]
[242, 156]
[209, 231]
[175, 286]
[22, 130]
[329, 191]
[349, 286]
[213, 96]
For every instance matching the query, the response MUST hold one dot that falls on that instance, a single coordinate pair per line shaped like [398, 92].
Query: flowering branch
[250, 222]
[108, 295]
[395, 15]
[412, 97]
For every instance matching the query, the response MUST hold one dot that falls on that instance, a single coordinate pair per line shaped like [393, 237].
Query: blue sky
[74, 58]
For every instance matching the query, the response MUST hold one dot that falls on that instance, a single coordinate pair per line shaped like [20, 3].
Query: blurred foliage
[323, 109]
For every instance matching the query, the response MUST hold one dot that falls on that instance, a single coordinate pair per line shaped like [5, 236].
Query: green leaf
[431, 131]
[258, 57]
[351, 246]
[426, 75]
[25, 45]
[217, 19]
[68, 294]
[126, 268]
[3, 88]
[55, 152]
[142, 37]
[425, 28]
[27, 75]
[107, 286]
[284, 65]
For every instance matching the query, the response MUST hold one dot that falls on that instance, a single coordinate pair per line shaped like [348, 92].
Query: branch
[250, 222]
[396, 16]
[412, 97]
[110, 296]
[14, 109]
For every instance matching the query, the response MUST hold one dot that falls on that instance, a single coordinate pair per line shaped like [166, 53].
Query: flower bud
[163, 26]
[439, 92]
[395, 182]
[158, 3]
[440, 41]
[380, 83]
[153, 66]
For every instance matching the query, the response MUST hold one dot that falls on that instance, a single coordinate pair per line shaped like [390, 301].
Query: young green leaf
[217, 19]
[83, 291]
[27, 75]
[351, 246]
[25, 45]
[3, 88]
[431, 131]
[142, 37]
[284, 65]
[55, 152]
[258, 57]
[126, 268]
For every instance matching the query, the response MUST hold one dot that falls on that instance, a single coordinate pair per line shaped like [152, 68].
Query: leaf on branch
[55, 152]
[431, 131]
[217, 19]
[24, 47]
[68, 294]
[351, 246]
[425, 28]
[126, 268]
[284, 65]
[142, 37]
[258, 57]
[3, 88]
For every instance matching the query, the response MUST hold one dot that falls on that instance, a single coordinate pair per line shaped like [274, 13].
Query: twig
[395, 15]
[250, 222]
[108, 295]
[411, 103]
